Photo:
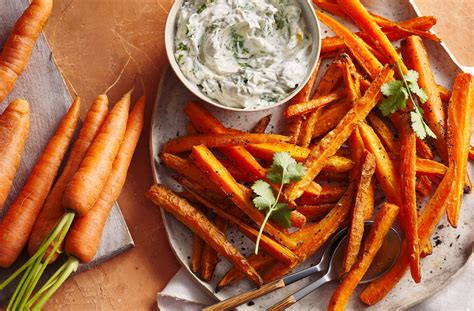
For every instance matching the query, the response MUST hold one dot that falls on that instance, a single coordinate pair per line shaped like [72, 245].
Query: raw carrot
[84, 236]
[16, 225]
[19, 45]
[87, 183]
[382, 223]
[14, 127]
[53, 209]
[460, 114]
[334, 140]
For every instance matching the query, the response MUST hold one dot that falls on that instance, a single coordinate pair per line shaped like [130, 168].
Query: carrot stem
[68, 267]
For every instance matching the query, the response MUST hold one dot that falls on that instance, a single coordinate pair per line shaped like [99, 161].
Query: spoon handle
[288, 301]
[242, 298]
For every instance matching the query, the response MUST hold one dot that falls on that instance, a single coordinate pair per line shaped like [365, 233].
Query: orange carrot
[262, 124]
[210, 257]
[84, 235]
[385, 135]
[14, 127]
[471, 153]
[87, 183]
[19, 45]
[198, 248]
[312, 104]
[408, 211]
[16, 225]
[53, 208]
[460, 114]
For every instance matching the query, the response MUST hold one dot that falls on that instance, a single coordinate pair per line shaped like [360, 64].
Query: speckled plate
[452, 247]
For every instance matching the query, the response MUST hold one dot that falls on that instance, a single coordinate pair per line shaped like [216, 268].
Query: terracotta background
[92, 40]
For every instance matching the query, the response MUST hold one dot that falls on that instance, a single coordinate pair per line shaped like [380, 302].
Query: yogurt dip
[243, 53]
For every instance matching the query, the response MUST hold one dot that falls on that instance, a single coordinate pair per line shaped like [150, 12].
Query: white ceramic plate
[449, 256]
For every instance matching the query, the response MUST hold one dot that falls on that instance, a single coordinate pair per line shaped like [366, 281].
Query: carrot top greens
[283, 170]
[397, 93]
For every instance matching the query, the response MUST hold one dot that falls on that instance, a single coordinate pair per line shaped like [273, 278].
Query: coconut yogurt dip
[243, 53]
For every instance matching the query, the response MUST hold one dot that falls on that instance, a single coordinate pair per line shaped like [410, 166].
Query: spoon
[323, 265]
[382, 262]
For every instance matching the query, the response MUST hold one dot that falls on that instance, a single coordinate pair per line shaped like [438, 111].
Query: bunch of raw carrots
[68, 215]
[342, 139]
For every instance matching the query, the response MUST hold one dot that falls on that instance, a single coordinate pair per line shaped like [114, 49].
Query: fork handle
[242, 298]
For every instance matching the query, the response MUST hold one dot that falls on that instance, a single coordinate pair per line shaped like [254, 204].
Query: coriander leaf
[281, 215]
[411, 76]
[391, 88]
[414, 88]
[284, 169]
[419, 126]
[182, 47]
[394, 102]
[265, 197]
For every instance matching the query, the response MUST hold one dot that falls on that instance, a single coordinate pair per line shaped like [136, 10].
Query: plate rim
[153, 151]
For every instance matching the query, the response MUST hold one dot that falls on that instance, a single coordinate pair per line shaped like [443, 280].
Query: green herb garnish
[283, 171]
[397, 93]
[201, 8]
[182, 47]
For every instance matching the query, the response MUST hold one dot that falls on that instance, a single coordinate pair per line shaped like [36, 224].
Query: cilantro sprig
[283, 171]
[397, 93]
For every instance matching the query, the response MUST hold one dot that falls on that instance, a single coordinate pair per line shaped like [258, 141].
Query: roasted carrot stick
[427, 221]
[97, 163]
[356, 227]
[330, 117]
[384, 133]
[408, 195]
[386, 172]
[381, 226]
[315, 212]
[53, 209]
[471, 153]
[16, 225]
[257, 261]
[210, 257]
[185, 143]
[423, 188]
[330, 193]
[200, 225]
[460, 114]
[312, 104]
[334, 140]
[14, 127]
[210, 165]
[19, 45]
[430, 167]
[84, 236]
[355, 44]
[262, 124]
[433, 108]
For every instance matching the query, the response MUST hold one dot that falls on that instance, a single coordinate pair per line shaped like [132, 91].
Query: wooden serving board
[44, 88]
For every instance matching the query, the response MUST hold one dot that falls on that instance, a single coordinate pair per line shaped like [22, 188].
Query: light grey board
[43, 87]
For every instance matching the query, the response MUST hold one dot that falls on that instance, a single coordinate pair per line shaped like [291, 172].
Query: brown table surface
[91, 41]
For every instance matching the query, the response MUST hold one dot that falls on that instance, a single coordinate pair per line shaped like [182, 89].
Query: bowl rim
[170, 27]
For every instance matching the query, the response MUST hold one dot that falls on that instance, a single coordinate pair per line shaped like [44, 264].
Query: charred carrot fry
[297, 219]
[355, 44]
[382, 223]
[208, 163]
[20, 43]
[200, 225]
[198, 247]
[16, 225]
[262, 124]
[359, 212]
[257, 261]
[312, 104]
[444, 93]
[330, 193]
[84, 236]
[14, 128]
[460, 114]
[315, 212]
[471, 153]
[53, 209]
[408, 196]
[427, 221]
[209, 256]
[430, 167]
[433, 108]
[333, 141]
[330, 117]
[423, 187]
[97, 163]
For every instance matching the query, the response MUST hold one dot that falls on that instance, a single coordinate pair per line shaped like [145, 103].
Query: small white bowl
[312, 24]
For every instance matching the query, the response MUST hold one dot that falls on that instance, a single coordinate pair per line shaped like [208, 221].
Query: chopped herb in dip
[243, 53]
